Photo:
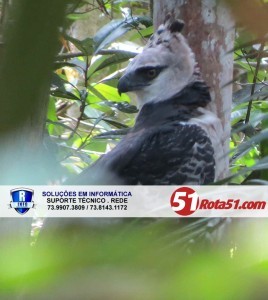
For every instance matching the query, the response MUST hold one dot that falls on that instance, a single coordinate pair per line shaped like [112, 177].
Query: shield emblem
[22, 200]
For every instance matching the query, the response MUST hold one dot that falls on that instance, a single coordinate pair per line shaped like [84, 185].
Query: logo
[184, 201]
[22, 200]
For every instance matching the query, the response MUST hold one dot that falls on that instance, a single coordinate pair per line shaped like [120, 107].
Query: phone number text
[87, 207]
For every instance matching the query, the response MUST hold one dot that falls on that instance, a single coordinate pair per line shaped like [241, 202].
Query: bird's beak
[124, 84]
[130, 83]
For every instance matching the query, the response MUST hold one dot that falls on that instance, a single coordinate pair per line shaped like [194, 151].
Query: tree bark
[209, 29]
[26, 63]
[26, 60]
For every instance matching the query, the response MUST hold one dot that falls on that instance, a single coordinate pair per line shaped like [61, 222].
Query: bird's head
[165, 66]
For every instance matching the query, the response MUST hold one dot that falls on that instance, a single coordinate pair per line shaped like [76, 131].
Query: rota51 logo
[184, 201]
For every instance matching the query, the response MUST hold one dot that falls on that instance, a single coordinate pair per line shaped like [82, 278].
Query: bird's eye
[151, 73]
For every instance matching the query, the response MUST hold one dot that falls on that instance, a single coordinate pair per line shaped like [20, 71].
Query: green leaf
[146, 32]
[88, 45]
[256, 182]
[97, 146]
[85, 46]
[95, 115]
[110, 93]
[94, 145]
[59, 65]
[59, 124]
[51, 114]
[113, 134]
[115, 123]
[243, 95]
[57, 81]
[60, 93]
[117, 28]
[104, 61]
[245, 66]
[79, 63]
[102, 108]
[58, 88]
[109, 33]
[238, 115]
[77, 16]
[95, 92]
[246, 146]
[264, 149]
[123, 106]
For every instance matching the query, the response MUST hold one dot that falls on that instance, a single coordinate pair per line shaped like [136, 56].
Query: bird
[176, 140]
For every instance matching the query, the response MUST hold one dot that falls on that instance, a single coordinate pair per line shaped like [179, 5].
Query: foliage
[138, 261]
[249, 147]
[85, 107]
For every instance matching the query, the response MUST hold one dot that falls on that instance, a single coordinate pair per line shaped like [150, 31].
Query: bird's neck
[182, 106]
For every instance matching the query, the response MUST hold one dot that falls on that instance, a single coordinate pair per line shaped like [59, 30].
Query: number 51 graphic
[184, 201]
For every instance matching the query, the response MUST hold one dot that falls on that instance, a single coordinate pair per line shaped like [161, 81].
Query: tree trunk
[26, 63]
[26, 60]
[209, 29]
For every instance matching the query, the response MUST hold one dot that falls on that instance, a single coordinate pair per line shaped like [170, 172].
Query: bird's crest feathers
[174, 25]
[167, 34]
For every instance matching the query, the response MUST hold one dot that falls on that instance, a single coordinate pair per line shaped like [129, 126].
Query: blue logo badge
[22, 200]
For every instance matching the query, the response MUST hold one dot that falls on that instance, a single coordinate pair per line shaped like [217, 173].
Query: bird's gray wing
[176, 154]
[108, 168]
[173, 154]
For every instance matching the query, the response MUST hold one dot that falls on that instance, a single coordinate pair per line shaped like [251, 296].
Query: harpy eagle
[175, 140]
